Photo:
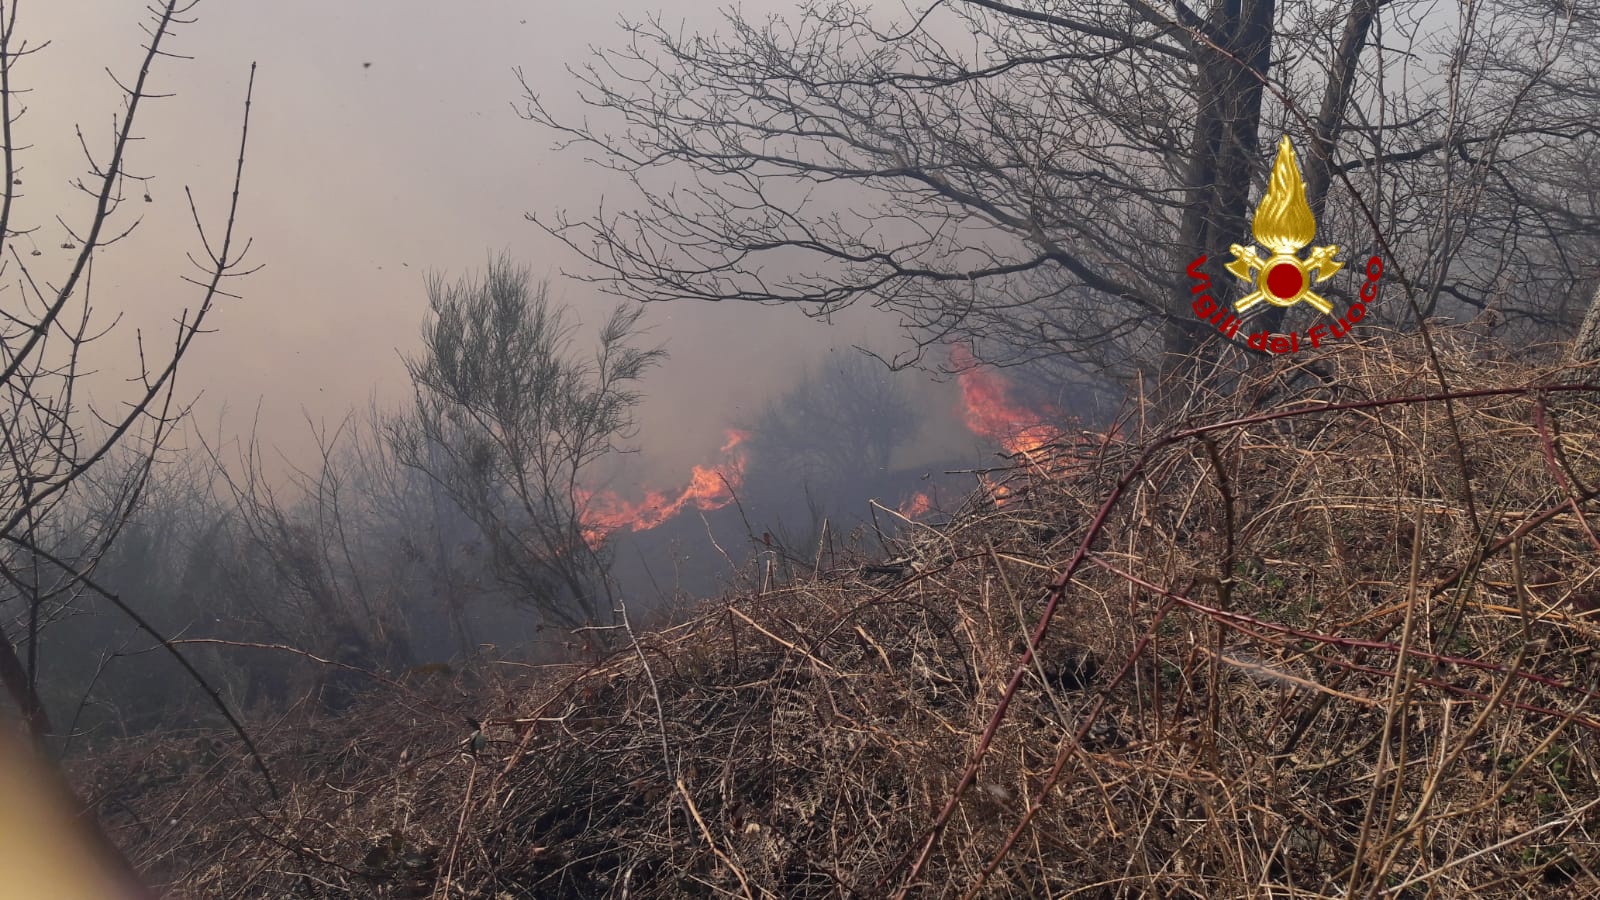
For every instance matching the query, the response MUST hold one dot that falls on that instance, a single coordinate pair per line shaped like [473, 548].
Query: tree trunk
[17, 684]
[1586, 346]
[1225, 150]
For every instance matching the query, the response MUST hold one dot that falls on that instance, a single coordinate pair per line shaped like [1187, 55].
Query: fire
[989, 411]
[987, 408]
[710, 487]
[918, 506]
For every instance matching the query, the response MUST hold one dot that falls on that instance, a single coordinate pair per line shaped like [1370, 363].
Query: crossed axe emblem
[1284, 279]
[1284, 223]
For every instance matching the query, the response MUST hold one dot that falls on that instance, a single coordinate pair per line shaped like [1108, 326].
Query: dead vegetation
[1334, 640]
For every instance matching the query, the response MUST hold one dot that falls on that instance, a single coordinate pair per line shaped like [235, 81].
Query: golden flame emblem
[1284, 224]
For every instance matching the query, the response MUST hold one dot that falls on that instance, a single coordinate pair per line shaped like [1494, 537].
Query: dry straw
[1327, 640]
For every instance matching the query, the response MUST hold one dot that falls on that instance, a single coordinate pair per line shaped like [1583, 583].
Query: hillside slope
[1302, 651]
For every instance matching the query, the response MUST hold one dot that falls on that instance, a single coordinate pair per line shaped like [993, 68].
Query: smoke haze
[384, 145]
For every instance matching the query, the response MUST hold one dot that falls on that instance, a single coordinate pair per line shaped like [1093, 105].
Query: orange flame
[710, 487]
[989, 411]
[918, 506]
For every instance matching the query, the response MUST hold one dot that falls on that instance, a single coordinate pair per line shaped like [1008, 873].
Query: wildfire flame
[918, 506]
[989, 411]
[709, 488]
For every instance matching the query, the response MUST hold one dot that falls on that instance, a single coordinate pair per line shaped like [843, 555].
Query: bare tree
[54, 333]
[309, 571]
[423, 548]
[508, 420]
[840, 423]
[1586, 346]
[1034, 176]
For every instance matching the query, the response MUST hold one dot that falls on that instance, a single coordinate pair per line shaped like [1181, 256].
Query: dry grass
[1347, 652]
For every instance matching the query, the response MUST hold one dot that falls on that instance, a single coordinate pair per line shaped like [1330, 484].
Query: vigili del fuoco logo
[1284, 225]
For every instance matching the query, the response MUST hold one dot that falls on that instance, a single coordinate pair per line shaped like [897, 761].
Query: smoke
[376, 156]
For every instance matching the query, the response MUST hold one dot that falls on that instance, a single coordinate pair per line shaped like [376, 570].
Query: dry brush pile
[1300, 641]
